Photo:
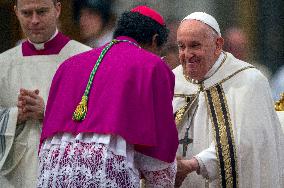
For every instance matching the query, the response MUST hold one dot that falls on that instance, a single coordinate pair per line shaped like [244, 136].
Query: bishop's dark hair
[141, 28]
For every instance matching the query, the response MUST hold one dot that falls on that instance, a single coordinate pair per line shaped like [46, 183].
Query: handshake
[185, 167]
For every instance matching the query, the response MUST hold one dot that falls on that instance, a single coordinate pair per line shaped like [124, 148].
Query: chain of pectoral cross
[186, 140]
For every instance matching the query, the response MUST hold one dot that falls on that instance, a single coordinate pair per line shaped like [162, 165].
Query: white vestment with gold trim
[259, 140]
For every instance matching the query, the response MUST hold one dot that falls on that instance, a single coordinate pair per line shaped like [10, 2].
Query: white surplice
[19, 143]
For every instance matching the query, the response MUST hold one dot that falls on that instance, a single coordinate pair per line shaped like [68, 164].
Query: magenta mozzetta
[114, 110]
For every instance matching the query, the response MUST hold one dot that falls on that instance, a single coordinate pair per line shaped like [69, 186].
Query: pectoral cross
[185, 142]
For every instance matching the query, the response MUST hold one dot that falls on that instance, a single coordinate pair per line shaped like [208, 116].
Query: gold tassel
[81, 110]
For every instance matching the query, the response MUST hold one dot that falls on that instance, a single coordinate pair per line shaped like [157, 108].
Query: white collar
[216, 65]
[40, 46]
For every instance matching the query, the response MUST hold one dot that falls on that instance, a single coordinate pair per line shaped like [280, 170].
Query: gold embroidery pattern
[229, 77]
[180, 113]
[279, 105]
[223, 133]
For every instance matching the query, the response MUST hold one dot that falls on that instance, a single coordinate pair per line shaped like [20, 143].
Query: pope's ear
[219, 44]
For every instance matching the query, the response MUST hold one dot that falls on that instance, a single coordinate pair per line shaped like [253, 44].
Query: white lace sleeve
[157, 174]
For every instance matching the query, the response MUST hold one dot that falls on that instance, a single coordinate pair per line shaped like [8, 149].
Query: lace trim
[84, 165]
[79, 164]
[160, 179]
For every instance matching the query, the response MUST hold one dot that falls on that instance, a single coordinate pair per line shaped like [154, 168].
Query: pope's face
[38, 18]
[198, 48]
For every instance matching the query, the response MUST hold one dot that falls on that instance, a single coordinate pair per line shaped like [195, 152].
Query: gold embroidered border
[235, 73]
[223, 133]
[179, 114]
[184, 95]
[279, 105]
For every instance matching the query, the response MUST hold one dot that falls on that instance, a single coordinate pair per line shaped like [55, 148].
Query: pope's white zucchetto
[205, 18]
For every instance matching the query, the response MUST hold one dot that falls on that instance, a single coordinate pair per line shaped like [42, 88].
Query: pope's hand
[30, 106]
[184, 167]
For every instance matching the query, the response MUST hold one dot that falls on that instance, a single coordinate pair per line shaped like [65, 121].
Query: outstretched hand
[30, 106]
[185, 167]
